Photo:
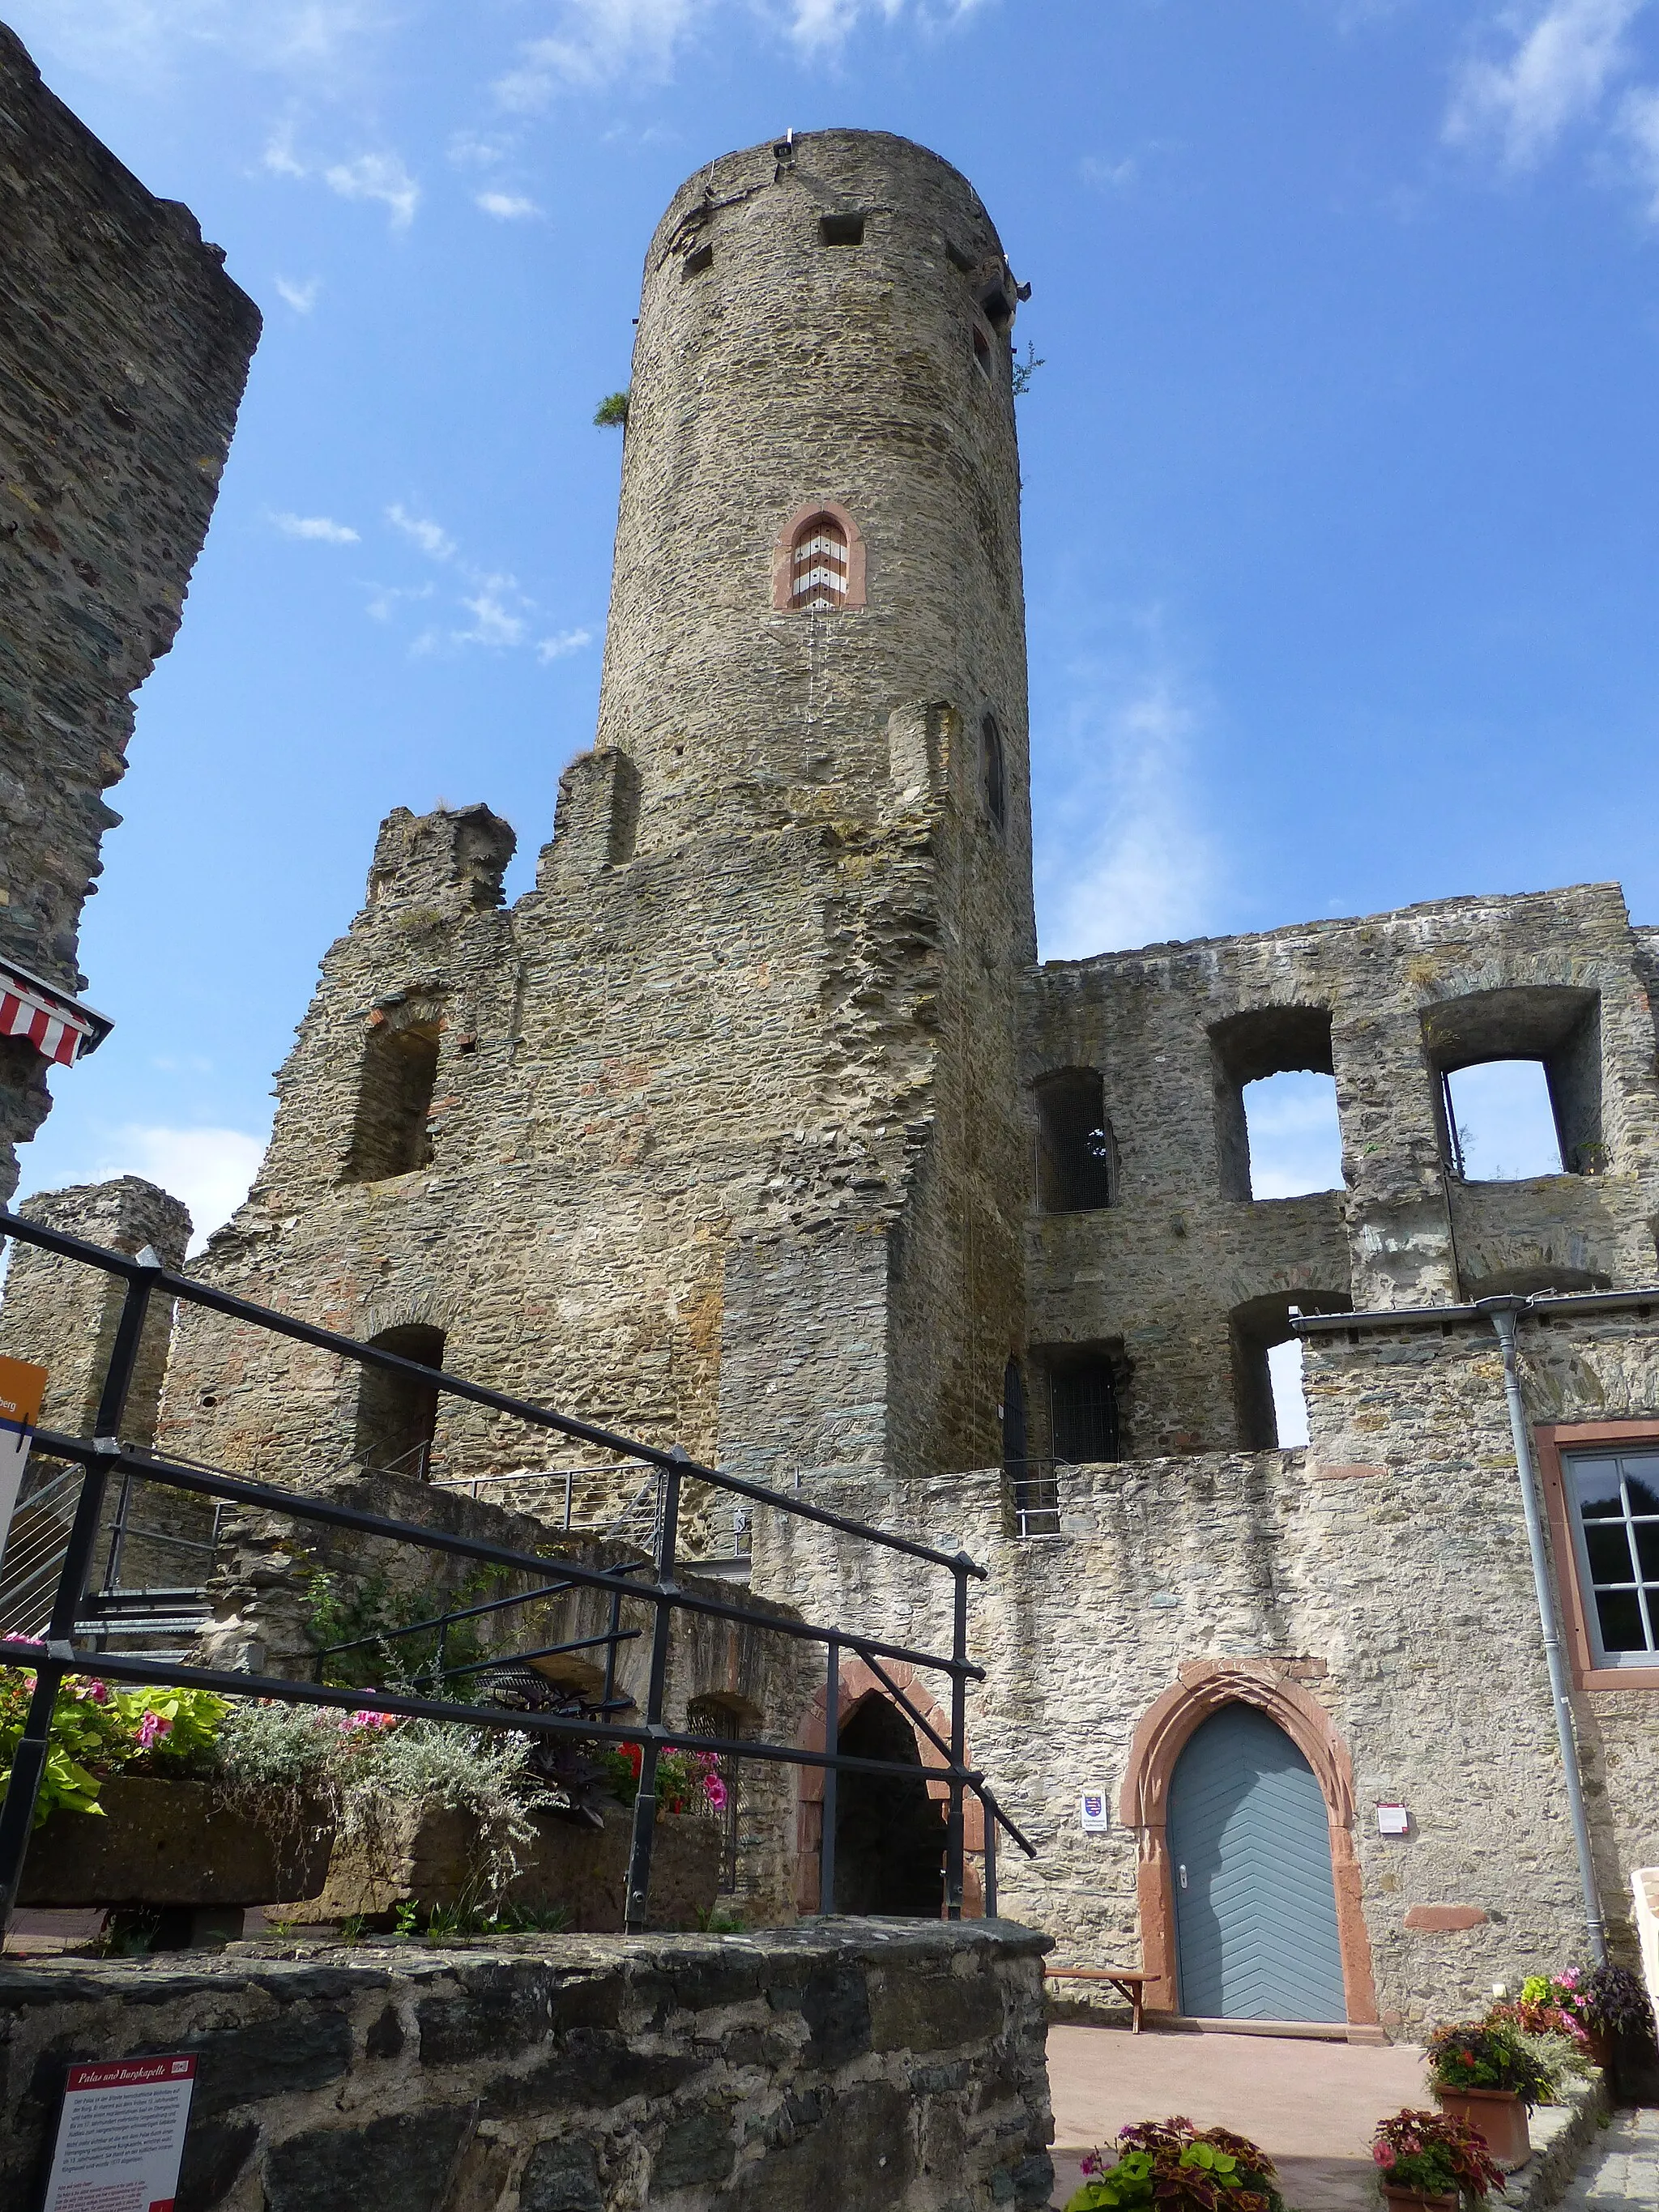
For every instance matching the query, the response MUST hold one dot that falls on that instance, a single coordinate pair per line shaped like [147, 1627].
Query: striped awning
[54, 1023]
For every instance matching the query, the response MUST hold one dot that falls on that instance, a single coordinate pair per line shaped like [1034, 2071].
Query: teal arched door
[1250, 1856]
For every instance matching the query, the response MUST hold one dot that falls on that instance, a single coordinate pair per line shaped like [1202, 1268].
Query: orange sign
[22, 1386]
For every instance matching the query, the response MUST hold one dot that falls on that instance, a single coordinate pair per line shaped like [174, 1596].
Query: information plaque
[121, 2135]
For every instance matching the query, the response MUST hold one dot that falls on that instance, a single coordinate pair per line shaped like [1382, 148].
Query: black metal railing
[103, 1459]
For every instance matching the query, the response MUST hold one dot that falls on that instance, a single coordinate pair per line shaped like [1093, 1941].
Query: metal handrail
[654, 1583]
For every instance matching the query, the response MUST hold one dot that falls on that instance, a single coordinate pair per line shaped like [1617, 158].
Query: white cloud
[1107, 176]
[1296, 1140]
[1122, 858]
[321, 527]
[1564, 56]
[377, 177]
[494, 622]
[600, 42]
[469, 150]
[209, 1168]
[566, 641]
[435, 543]
[1638, 123]
[381, 177]
[303, 298]
[144, 40]
[386, 598]
[507, 207]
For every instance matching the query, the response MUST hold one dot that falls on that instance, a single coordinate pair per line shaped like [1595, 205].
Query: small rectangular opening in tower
[842, 229]
[695, 263]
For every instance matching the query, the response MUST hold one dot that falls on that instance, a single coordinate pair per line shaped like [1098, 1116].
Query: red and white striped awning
[54, 1023]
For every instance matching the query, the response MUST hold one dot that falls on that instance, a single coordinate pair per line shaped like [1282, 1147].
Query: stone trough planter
[167, 1844]
[431, 1860]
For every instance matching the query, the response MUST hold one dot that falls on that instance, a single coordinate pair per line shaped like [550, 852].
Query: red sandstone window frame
[783, 555]
[1552, 1439]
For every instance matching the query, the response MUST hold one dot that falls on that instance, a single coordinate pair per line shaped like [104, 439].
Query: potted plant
[1178, 2167]
[1425, 2159]
[1483, 2074]
[1613, 2004]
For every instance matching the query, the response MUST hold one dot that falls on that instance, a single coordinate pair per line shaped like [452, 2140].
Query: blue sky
[1339, 490]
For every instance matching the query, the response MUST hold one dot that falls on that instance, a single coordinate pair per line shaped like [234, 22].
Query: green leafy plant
[95, 1732]
[1023, 371]
[1615, 2002]
[611, 413]
[1178, 2167]
[1434, 2155]
[376, 1617]
[1480, 2054]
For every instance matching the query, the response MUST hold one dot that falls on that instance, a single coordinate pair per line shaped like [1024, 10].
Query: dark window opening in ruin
[389, 1135]
[993, 772]
[1077, 1166]
[817, 566]
[398, 1413]
[958, 258]
[1083, 1413]
[1014, 1442]
[1615, 1502]
[725, 1717]
[998, 309]
[842, 229]
[1269, 1403]
[889, 1834]
[981, 351]
[696, 262]
[1518, 1082]
[1249, 1049]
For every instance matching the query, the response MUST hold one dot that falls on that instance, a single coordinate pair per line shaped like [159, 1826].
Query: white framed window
[1612, 1506]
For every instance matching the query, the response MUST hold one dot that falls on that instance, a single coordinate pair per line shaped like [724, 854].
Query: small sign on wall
[1092, 1812]
[121, 2136]
[22, 1386]
[1393, 1820]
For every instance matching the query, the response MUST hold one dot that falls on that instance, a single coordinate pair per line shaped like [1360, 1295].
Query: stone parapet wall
[124, 349]
[875, 2067]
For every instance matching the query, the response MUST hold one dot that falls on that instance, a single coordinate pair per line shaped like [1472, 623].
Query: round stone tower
[820, 519]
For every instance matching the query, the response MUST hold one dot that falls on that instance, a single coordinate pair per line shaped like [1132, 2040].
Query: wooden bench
[1128, 1981]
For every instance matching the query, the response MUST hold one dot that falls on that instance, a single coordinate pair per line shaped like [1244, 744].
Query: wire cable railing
[654, 1583]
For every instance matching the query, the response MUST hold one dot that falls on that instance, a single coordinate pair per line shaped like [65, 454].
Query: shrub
[1178, 2167]
[1486, 2056]
[1615, 2002]
[96, 1732]
[1439, 2156]
[611, 413]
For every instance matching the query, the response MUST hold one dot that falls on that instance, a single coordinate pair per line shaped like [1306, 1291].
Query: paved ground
[1622, 2171]
[1312, 2105]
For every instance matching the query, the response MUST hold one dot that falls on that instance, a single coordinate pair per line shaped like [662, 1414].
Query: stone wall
[1384, 1002]
[864, 2067]
[1372, 1594]
[124, 349]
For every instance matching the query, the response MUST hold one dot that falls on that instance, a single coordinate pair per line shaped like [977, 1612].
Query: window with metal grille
[1615, 1499]
[1083, 1413]
[1077, 1151]
[817, 566]
[711, 1716]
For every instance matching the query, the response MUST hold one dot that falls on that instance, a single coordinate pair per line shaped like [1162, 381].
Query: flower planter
[1414, 2200]
[1598, 2048]
[1496, 2114]
[431, 1859]
[162, 1843]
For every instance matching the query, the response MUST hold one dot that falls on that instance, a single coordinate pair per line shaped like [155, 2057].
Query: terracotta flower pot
[1413, 2200]
[1496, 2114]
[1598, 2047]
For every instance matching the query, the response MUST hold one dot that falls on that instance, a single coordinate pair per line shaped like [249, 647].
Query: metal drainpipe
[1501, 1312]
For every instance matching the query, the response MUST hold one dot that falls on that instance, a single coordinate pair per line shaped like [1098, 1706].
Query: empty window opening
[1614, 1500]
[998, 308]
[1294, 1137]
[1077, 1152]
[817, 566]
[993, 769]
[1083, 1413]
[981, 351]
[398, 1413]
[842, 229]
[1518, 1082]
[889, 1834]
[1290, 1399]
[389, 1134]
[1247, 1049]
[1500, 1123]
[1269, 1402]
[696, 262]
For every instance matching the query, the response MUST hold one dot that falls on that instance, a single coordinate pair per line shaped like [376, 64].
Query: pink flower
[363, 1718]
[152, 1729]
[714, 1791]
[1382, 2154]
[94, 1691]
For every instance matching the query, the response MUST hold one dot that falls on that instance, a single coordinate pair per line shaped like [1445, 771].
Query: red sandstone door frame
[1203, 1687]
[859, 1683]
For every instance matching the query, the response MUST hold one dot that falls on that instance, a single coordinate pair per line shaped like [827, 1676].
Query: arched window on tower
[819, 566]
[994, 772]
